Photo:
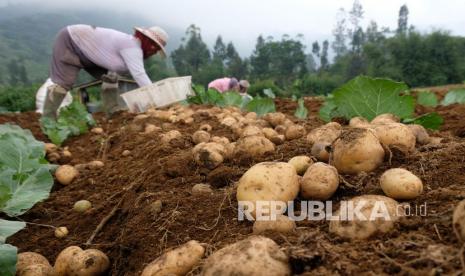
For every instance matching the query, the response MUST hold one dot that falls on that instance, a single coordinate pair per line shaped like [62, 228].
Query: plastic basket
[159, 94]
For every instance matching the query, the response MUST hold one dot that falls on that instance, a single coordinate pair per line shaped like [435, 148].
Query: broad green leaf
[430, 120]
[232, 99]
[34, 189]
[8, 228]
[8, 258]
[261, 106]
[214, 97]
[454, 96]
[427, 98]
[17, 155]
[368, 97]
[269, 93]
[37, 148]
[301, 112]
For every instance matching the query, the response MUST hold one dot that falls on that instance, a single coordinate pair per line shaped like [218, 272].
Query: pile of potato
[71, 261]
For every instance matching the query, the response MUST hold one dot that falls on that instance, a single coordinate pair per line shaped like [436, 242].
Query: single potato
[256, 255]
[65, 174]
[319, 182]
[88, 262]
[386, 118]
[253, 146]
[401, 184]
[282, 224]
[200, 136]
[396, 135]
[26, 259]
[301, 163]
[294, 132]
[209, 155]
[421, 135]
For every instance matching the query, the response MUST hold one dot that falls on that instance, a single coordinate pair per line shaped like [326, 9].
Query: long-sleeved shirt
[113, 50]
[222, 85]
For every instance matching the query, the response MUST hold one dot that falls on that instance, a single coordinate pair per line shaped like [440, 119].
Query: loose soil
[136, 235]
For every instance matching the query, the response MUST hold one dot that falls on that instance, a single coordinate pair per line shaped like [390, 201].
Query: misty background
[294, 47]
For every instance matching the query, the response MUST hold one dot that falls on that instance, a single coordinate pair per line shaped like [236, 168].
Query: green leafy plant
[427, 98]
[430, 120]
[454, 96]
[25, 177]
[8, 252]
[73, 120]
[261, 106]
[301, 112]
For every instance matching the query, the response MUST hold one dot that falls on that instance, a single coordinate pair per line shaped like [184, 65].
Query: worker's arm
[135, 63]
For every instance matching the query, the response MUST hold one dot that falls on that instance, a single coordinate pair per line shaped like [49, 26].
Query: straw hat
[157, 34]
[244, 83]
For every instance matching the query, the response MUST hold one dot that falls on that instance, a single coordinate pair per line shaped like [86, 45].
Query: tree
[23, 78]
[339, 32]
[402, 23]
[13, 72]
[219, 49]
[260, 59]
[356, 15]
[191, 55]
[316, 49]
[324, 56]
[235, 67]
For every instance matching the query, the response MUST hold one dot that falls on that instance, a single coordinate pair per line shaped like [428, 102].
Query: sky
[241, 21]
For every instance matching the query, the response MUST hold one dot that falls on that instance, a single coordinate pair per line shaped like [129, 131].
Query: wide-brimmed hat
[244, 83]
[157, 34]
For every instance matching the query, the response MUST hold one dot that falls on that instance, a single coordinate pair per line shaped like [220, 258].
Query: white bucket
[159, 94]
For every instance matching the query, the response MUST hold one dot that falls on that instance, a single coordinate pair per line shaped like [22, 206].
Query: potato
[356, 150]
[53, 156]
[229, 150]
[50, 147]
[275, 118]
[379, 213]
[126, 153]
[61, 232]
[26, 259]
[96, 164]
[97, 130]
[281, 129]
[262, 123]
[141, 117]
[268, 181]
[269, 133]
[256, 255]
[325, 134]
[150, 128]
[228, 121]
[220, 140]
[67, 154]
[395, 135]
[319, 182]
[401, 184]
[253, 146]
[169, 136]
[88, 262]
[421, 135]
[321, 151]
[251, 115]
[61, 266]
[65, 174]
[156, 206]
[294, 132]
[199, 189]
[359, 122]
[386, 118]
[187, 121]
[81, 206]
[178, 261]
[200, 136]
[301, 163]
[251, 131]
[209, 155]
[282, 224]
[278, 140]
[458, 221]
[206, 127]
[37, 270]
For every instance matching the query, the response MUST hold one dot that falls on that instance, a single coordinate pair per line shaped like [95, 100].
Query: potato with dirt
[200, 136]
[256, 255]
[29, 263]
[65, 174]
[320, 140]
[378, 215]
[275, 118]
[458, 221]
[209, 155]
[421, 135]
[356, 150]
[253, 146]
[268, 181]
[170, 136]
[395, 135]
[359, 122]
[75, 261]
[319, 182]
[301, 163]
[251, 131]
[294, 132]
[178, 261]
[401, 184]
[282, 224]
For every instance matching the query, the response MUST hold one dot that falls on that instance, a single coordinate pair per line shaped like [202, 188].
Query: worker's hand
[110, 77]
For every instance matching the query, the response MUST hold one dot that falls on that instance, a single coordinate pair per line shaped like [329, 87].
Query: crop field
[144, 203]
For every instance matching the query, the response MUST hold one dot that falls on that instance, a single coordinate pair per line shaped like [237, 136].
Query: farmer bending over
[229, 84]
[102, 53]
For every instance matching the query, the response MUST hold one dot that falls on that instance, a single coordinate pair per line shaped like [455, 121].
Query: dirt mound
[135, 234]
